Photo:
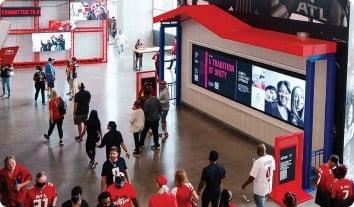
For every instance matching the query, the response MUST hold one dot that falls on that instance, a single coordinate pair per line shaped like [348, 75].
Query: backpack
[62, 106]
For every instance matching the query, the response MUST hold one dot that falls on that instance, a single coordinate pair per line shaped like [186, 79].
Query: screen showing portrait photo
[88, 10]
[274, 91]
[44, 42]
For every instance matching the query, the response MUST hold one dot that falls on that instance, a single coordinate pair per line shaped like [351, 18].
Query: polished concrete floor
[112, 85]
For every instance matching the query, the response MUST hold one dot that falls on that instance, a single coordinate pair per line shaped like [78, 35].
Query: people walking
[122, 42]
[173, 53]
[342, 190]
[164, 98]
[81, 108]
[56, 116]
[156, 59]
[104, 200]
[262, 176]
[212, 176]
[122, 192]
[112, 167]
[225, 199]
[67, 73]
[76, 199]
[138, 55]
[6, 74]
[39, 83]
[137, 119]
[42, 191]
[152, 117]
[14, 180]
[184, 191]
[113, 138]
[325, 180]
[73, 77]
[94, 133]
[162, 198]
[50, 75]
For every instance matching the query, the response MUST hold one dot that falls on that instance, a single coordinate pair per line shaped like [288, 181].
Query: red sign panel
[20, 11]
[288, 154]
[59, 25]
[8, 54]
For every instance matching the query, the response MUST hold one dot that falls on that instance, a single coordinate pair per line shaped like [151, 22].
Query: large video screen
[348, 142]
[44, 42]
[274, 91]
[88, 10]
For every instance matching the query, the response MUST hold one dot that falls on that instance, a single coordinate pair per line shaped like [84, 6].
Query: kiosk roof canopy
[229, 27]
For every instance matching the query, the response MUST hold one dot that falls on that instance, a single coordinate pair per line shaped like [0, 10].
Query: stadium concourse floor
[112, 85]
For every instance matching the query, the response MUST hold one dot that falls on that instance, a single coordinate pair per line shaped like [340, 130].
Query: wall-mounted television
[88, 10]
[274, 91]
[45, 42]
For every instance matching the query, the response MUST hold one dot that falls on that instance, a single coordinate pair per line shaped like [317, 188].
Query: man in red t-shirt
[13, 181]
[325, 181]
[162, 198]
[122, 193]
[342, 190]
[42, 194]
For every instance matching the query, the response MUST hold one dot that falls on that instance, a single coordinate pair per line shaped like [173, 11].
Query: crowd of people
[117, 189]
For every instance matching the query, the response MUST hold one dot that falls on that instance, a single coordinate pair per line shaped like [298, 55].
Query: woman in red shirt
[184, 192]
[14, 179]
[55, 118]
[225, 198]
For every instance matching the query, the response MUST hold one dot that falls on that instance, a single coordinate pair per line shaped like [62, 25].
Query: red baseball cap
[161, 180]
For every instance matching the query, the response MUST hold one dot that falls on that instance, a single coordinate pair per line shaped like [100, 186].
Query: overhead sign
[8, 54]
[20, 11]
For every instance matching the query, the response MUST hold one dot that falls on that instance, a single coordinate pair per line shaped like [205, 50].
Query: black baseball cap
[50, 59]
[334, 159]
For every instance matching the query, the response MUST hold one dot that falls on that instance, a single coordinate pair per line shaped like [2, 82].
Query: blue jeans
[6, 82]
[260, 200]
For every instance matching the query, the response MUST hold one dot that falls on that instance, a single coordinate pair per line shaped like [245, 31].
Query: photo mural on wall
[348, 142]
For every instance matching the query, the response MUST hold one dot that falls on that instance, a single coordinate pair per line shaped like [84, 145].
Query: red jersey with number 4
[325, 178]
[44, 197]
[122, 197]
[343, 190]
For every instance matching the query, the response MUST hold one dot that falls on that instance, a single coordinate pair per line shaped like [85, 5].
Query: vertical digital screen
[276, 92]
[287, 164]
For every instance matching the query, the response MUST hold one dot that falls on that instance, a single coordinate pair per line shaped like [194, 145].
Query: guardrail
[317, 159]
[172, 90]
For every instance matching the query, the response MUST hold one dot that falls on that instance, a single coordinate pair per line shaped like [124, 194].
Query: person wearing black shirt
[39, 83]
[111, 167]
[76, 198]
[113, 138]
[81, 108]
[5, 73]
[46, 47]
[94, 133]
[211, 178]
[152, 117]
[104, 200]
[59, 42]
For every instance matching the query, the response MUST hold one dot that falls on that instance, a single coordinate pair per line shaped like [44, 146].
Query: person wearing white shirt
[137, 120]
[164, 98]
[262, 176]
[122, 42]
